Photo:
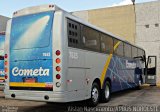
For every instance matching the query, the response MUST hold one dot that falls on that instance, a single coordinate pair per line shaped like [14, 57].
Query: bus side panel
[76, 82]
[95, 63]
[122, 73]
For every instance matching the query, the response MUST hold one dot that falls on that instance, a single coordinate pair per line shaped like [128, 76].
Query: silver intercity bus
[53, 56]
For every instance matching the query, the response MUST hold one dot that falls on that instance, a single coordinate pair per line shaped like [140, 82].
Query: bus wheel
[95, 95]
[106, 92]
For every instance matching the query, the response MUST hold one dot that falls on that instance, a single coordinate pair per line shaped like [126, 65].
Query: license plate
[30, 80]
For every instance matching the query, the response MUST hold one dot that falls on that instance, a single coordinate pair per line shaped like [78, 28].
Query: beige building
[117, 20]
[143, 31]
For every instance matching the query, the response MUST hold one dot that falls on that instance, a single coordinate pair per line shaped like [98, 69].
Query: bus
[53, 56]
[2, 76]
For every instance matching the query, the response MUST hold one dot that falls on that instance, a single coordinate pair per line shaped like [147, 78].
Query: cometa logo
[30, 72]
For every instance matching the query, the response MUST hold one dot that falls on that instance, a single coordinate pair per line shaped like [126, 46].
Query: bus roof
[36, 9]
[52, 7]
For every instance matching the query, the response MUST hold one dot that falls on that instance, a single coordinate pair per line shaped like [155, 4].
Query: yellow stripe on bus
[103, 74]
[21, 84]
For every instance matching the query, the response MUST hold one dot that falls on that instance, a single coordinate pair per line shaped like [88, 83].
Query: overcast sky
[7, 7]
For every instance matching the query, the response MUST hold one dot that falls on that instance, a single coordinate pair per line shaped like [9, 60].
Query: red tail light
[58, 76]
[6, 77]
[58, 68]
[5, 63]
[6, 56]
[5, 70]
[58, 52]
[58, 60]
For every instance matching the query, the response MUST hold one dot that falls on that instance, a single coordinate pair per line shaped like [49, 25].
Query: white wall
[149, 38]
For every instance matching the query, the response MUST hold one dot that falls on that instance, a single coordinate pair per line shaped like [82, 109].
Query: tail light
[58, 60]
[6, 70]
[58, 76]
[6, 77]
[58, 68]
[5, 63]
[58, 52]
[5, 56]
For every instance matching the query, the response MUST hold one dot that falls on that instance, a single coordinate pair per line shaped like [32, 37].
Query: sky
[7, 7]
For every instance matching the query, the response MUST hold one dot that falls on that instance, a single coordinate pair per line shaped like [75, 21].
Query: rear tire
[95, 95]
[106, 92]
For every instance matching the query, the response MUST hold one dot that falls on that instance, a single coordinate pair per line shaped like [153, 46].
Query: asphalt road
[147, 99]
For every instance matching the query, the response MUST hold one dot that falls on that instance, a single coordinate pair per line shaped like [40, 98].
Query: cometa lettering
[30, 72]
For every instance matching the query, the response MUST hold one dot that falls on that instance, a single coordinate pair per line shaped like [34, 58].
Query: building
[139, 24]
[117, 20]
[148, 30]
[3, 23]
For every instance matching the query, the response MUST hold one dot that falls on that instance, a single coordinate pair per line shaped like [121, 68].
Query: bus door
[150, 77]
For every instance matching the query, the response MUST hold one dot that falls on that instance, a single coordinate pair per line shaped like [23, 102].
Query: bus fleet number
[73, 55]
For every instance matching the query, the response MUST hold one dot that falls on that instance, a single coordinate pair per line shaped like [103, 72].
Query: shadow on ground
[69, 107]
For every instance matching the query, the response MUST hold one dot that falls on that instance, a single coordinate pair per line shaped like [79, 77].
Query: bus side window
[119, 50]
[73, 33]
[134, 52]
[140, 52]
[106, 44]
[90, 38]
[127, 50]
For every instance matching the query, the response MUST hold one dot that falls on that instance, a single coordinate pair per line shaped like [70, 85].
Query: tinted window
[127, 50]
[140, 52]
[90, 39]
[118, 47]
[31, 31]
[134, 52]
[73, 33]
[106, 43]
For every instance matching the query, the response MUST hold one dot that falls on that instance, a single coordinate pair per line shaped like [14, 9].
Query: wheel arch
[109, 80]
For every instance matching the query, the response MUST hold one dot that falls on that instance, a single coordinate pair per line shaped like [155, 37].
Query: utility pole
[133, 1]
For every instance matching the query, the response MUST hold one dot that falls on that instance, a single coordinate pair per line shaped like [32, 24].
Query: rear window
[31, 31]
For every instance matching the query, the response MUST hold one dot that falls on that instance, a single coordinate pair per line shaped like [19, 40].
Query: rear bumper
[37, 95]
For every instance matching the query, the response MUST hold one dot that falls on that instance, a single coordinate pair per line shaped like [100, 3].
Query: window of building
[156, 25]
[106, 43]
[90, 39]
[147, 26]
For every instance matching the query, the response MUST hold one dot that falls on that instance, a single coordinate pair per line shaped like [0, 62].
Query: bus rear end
[30, 68]
[2, 76]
